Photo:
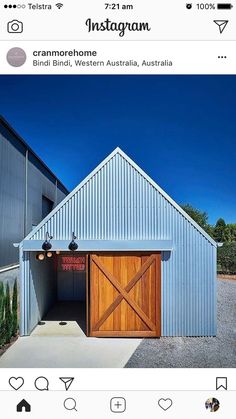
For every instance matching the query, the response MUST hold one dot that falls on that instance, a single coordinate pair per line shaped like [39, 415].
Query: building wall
[38, 185]
[10, 276]
[43, 289]
[119, 203]
[38, 291]
[12, 198]
[16, 171]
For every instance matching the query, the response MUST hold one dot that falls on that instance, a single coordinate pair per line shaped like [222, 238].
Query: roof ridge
[116, 151]
[74, 191]
[167, 197]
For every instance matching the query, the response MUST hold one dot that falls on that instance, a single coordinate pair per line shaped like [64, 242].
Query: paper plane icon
[221, 24]
[67, 381]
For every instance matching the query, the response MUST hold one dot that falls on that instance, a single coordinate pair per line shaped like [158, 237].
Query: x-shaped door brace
[123, 293]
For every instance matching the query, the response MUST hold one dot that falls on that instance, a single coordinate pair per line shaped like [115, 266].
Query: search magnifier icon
[70, 404]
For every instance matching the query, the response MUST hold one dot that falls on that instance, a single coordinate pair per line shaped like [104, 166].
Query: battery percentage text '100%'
[206, 6]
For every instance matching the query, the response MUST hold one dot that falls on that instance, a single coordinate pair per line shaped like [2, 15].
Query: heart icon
[16, 382]
[165, 404]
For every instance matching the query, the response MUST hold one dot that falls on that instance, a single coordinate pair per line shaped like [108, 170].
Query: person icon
[212, 404]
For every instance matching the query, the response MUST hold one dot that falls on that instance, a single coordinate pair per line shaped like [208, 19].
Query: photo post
[117, 209]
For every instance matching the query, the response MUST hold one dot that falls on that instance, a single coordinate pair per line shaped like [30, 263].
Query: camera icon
[15, 26]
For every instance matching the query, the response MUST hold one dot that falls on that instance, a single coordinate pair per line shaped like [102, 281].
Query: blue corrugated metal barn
[122, 247]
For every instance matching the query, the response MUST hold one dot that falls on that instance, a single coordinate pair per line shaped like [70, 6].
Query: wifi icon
[59, 5]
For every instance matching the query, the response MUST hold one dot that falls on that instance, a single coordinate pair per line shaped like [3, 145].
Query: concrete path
[68, 352]
[66, 345]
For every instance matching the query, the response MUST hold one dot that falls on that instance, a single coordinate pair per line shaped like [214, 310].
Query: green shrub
[227, 258]
[8, 315]
[2, 316]
[14, 310]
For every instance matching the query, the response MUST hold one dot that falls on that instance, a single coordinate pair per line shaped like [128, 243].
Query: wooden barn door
[125, 295]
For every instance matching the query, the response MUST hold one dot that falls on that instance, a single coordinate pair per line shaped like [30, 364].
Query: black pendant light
[47, 245]
[73, 246]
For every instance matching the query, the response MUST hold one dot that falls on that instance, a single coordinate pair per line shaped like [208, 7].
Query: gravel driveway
[214, 352]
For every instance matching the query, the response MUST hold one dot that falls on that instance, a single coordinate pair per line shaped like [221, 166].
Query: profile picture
[212, 404]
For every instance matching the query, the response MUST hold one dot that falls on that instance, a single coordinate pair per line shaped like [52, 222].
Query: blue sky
[181, 130]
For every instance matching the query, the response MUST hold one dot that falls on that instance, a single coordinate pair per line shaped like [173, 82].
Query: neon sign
[73, 263]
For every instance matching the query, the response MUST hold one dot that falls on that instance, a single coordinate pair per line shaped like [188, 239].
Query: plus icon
[118, 405]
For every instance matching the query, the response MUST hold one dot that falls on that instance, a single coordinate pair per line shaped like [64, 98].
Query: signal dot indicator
[14, 6]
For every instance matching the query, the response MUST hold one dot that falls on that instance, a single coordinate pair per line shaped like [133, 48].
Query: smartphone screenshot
[117, 209]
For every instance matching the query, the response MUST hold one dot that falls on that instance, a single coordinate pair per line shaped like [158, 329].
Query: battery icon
[224, 6]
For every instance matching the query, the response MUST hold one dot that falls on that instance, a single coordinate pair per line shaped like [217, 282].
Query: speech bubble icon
[42, 384]
[221, 383]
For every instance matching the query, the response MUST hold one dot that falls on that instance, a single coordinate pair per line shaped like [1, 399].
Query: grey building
[28, 191]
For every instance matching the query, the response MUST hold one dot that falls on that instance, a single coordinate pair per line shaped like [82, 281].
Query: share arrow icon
[222, 24]
[67, 381]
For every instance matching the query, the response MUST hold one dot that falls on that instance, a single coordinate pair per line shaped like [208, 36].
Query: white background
[169, 20]
[93, 389]
[65, 30]
[187, 57]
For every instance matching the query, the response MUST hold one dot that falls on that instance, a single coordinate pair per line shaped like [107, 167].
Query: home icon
[23, 406]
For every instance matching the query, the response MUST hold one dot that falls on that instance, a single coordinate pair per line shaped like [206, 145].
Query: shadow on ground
[65, 318]
[66, 311]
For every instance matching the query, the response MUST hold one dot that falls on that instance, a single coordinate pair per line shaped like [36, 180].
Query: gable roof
[142, 173]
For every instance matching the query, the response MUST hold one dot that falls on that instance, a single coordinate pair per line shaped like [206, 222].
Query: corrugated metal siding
[42, 289]
[38, 185]
[13, 197]
[119, 203]
[38, 290]
[24, 292]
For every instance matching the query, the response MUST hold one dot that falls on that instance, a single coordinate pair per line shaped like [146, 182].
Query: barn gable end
[119, 202]
[116, 201]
